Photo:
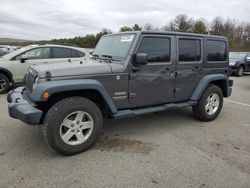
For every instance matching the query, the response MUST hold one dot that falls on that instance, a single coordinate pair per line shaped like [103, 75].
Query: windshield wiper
[109, 58]
[95, 56]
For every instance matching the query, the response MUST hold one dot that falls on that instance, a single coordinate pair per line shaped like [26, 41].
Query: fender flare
[53, 87]
[205, 81]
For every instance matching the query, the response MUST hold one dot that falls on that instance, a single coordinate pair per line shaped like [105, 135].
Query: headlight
[232, 62]
[35, 82]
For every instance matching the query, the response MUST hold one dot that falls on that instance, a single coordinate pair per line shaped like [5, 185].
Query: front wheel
[209, 105]
[240, 71]
[72, 125]
[4, 84]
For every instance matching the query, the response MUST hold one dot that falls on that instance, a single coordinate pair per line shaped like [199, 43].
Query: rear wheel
[240, 71]
[72, 125]
[209, 105]
[4, 84]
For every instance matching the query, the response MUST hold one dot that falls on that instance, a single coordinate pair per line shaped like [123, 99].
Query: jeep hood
[76, 68]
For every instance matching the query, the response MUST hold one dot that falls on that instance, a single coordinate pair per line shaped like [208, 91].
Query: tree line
[238, 33]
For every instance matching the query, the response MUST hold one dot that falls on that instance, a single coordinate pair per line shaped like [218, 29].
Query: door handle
[196, 68]
[167, 69]
[135, 69]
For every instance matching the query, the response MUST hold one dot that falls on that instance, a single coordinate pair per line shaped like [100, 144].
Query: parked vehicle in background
[14, 66]
[130, 74]
[5, 49]
[239, 62]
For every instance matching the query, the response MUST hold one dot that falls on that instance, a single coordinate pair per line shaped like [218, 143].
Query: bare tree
[148, 27]
[182, 23]
[169, 27]
[216, 27]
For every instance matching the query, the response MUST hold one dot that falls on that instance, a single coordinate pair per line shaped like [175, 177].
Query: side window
[75, 53]
[62, 53]
[216, 50]
[37, 53]
[157, 48]
[189, 50]
[81, 54]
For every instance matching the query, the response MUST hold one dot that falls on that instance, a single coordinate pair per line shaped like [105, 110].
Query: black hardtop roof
[175, 33]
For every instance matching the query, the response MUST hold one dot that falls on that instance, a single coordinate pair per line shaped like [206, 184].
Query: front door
[40, 55]
[153, 83]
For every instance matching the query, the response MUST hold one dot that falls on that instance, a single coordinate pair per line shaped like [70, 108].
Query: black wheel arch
[241, 65]
[7, 73]
[90, 94]
[222, 84]
[219, 80]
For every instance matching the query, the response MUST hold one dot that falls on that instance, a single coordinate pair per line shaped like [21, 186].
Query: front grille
[29, 81]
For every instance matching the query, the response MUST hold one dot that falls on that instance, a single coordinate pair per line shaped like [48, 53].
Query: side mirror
[23, 58]
[141, 59]
[248, 59]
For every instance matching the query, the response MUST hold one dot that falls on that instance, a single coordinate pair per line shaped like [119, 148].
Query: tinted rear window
[216, 50]
[157, 48]
[189, 50]
[62, 53]
[75, 53]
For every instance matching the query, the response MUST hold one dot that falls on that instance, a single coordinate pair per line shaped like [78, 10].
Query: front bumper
[22, 108]
[233, 69]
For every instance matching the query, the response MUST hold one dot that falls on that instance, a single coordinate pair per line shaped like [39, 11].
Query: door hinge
[177, 90]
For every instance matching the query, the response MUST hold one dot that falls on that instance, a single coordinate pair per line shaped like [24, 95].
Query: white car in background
[14, 65]
[5, 49]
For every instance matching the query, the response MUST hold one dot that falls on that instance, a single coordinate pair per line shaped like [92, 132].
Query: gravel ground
[168, 149]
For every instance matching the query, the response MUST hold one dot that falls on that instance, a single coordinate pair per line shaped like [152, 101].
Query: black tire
[4, 84]
[199, 109]
[57, 114]
[240, 71]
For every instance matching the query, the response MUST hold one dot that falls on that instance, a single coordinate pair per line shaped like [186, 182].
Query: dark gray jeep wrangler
[130, 74]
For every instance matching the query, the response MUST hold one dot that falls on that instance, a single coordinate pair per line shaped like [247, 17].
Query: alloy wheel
[212, 104]
[76, 128]
[2, 84]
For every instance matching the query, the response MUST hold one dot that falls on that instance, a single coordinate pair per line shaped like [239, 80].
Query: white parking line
[243, 104]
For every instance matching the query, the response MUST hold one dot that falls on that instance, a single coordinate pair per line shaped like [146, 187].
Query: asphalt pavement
[167, 149]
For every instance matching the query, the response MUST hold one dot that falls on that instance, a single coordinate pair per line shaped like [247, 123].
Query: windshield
[116, 46]
[237, 55]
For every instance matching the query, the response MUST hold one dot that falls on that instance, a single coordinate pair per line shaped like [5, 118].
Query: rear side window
[216, 50]
[62, 53]
[157, 48]
[189, 50]
[75, 53]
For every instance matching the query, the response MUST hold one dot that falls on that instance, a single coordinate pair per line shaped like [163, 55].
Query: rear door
[153, 83]
[189, 66]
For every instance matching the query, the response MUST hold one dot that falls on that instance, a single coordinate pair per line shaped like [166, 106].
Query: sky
[49, 19]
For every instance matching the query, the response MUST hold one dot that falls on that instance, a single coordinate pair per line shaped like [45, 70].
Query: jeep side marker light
[46, 95]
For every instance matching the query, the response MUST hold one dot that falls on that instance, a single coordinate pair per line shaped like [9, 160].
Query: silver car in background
[5, 49]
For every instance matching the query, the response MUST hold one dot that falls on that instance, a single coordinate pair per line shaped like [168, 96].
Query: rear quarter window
[62, 53]
[216, 50]
[76, 53]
